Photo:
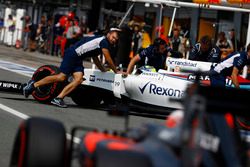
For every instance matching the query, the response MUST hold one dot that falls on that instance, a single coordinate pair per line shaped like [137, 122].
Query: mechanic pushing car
[72, 64]
[205, 51]
[155, 55]
[231, 66]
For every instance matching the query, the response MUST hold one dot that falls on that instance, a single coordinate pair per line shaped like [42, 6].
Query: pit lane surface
[71, 116]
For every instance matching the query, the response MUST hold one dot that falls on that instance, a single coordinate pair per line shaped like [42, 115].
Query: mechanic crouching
[72, 64]
[155, 55]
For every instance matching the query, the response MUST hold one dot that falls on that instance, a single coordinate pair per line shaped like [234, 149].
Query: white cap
[115, 29]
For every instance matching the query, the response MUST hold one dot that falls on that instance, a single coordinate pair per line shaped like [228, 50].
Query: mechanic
[232, 65]
[72, 64]
[155, 55]
[205, 51]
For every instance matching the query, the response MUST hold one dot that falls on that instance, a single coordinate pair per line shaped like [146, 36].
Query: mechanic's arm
[234, 77]
[99, 64]
[109, 60]
[132, 63]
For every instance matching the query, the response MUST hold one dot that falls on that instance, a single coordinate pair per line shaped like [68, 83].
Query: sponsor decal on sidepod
[161, 91]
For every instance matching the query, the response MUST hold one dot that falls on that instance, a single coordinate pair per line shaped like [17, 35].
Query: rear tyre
[90, 96]
[39, 142]
[86, 96]
[46, 93]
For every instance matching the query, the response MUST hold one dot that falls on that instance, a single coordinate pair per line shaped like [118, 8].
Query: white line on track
[24, 116]
[17, 68]
[15, 112]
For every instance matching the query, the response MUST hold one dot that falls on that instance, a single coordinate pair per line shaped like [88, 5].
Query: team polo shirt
[90, 46]
[213, 55]
[237, 59]
[86, 47]
[152, 58]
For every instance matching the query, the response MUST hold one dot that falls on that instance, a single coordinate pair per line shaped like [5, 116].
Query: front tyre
[46, 93]
[39, 142]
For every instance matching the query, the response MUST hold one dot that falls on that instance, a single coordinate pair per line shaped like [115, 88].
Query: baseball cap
[115, 29]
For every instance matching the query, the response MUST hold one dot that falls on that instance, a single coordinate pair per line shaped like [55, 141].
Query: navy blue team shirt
[212, 55]
[153, 58]
[90, 46]
[236, 59]
[219, 73]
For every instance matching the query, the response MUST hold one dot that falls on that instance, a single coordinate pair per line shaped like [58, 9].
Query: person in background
[124, 46]
[73, 33]
[136, 40]
[26, 31]
[177, 43]
[11, 25]
[160, 33]
[205, 51]
[1, 23]
[41, 34]
[235, 42]
[224, 44]
[72, 64]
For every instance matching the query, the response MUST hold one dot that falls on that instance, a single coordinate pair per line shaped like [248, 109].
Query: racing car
[144, 90]
[205, 137]
[148, 91]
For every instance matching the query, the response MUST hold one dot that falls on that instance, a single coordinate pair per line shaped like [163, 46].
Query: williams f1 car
[145, 91]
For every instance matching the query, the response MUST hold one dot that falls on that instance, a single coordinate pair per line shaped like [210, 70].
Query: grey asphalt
[70, 117]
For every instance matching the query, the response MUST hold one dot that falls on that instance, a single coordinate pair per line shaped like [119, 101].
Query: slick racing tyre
[243, 123]
[39, 142]
[46, 93]
[88, 96]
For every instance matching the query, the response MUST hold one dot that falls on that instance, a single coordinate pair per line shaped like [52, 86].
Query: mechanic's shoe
[29, 88]
[59, 102]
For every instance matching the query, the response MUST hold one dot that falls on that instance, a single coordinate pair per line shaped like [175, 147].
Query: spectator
[146, 40]
[72, 34]
[49, 35]
[26, 31]
[58, 35]
[136, 40]
[160, 33]
[235, 42]
[41, 34]
[177, 43]
[224, 44]
[11, 25]
[205, 51]
[231, 66]
[155, 55]
[72, 64]
[1, 23]
[32, 37]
